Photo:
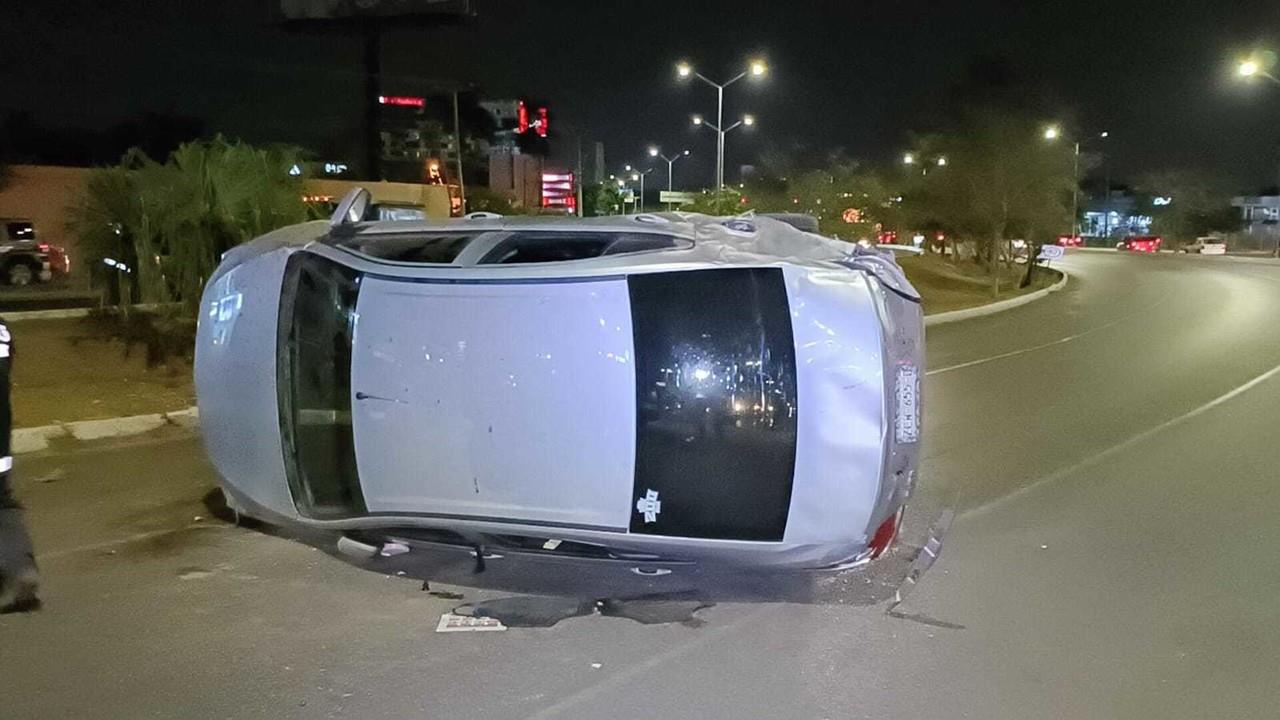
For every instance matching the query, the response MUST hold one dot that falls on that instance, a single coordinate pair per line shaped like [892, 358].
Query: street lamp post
[1052, 133]
[755, 69]
[639, 175]
[698, 121]
[655, 152]
[912, 159]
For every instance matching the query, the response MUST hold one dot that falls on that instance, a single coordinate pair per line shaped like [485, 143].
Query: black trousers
[17, 557]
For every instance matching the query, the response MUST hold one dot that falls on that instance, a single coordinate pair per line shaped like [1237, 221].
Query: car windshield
[20, 231]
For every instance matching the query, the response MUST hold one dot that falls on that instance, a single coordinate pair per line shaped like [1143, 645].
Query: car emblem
[650, 506]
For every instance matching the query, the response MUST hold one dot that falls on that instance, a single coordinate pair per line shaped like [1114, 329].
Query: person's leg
[18, 579]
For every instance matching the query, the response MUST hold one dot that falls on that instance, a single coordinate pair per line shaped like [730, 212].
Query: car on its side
[645, 390]
[1141, 244]
[1206, 246]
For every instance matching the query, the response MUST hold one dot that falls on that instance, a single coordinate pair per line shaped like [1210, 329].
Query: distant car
[1141, 243]
[22, 259]
[654, 388]
[1206, 246]
[1070, 241]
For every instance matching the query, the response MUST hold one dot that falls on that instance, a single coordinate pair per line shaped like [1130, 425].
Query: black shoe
[20, 593]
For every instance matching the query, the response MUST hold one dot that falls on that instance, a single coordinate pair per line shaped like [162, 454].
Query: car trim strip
[500, 520]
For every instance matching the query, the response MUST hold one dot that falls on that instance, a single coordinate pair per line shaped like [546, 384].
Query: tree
[1002, 180]
[170, 223]
[848, 202]
[1197, 205]
[725, 201]
[606, 199]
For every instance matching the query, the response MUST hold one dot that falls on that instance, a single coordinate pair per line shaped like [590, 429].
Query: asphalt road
[1114, 451]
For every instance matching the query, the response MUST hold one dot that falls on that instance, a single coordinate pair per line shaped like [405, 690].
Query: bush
[170, 223]
[163, 337]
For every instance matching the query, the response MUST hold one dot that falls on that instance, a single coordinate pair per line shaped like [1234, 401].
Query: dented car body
[666, 388]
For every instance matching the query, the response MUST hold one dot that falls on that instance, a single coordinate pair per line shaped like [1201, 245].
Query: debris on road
[450, 622]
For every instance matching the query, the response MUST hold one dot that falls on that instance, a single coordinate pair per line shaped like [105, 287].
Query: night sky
[851, 75]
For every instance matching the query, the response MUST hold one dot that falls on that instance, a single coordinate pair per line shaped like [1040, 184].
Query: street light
[1051, 133]
[1254, 68]
[638, 176]
[655, 151]
[756, 69]
[912, 159]
[746, 121]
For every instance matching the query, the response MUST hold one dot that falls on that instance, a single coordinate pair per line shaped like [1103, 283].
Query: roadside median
[959, 291]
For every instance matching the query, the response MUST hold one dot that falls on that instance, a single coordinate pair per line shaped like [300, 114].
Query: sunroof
[434, 248]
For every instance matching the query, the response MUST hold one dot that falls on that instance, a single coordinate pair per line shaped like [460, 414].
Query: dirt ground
[65, 371]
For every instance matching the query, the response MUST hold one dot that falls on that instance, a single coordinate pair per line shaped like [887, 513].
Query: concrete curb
[61, 314]
[65, 313]
[995, 307]
[33, 439]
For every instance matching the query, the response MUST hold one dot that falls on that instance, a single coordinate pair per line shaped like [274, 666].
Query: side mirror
[352, 208]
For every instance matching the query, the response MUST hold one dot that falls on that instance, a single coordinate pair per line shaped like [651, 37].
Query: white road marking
[1130, 442]
[1034, 348]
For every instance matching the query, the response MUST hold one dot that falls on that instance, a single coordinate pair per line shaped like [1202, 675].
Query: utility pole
[457, 145]
[372, 88]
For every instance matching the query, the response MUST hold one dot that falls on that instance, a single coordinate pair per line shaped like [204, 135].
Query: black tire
[19, 274]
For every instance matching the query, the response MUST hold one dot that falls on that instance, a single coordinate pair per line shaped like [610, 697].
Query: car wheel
[19, 274]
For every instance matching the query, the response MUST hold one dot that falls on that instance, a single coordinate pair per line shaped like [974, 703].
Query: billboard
[559, 191]
[369, 9]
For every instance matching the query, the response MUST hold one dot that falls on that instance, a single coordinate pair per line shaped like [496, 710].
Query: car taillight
[885, 534]
[43, 247]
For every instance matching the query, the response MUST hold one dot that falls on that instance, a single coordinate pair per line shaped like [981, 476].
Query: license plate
[906, 413]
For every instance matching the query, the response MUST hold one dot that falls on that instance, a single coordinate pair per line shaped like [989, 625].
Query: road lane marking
[1059, 341]
[1131, 441]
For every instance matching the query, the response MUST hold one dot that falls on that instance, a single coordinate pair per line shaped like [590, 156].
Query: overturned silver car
[664, 387]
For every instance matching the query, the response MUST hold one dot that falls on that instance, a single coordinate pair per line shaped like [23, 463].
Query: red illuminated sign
[402, 101]
[523, 123]
[558, 191]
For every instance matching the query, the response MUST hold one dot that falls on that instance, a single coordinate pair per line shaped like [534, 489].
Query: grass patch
[69, 370]
[947, 287]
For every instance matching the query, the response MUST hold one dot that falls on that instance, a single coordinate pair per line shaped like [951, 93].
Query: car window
[540, 247]
[20, 231]
[432, 248]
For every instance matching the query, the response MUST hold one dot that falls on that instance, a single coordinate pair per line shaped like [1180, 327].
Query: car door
[496, 401]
